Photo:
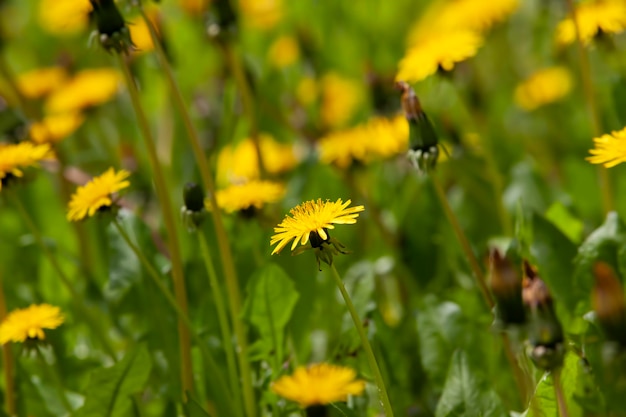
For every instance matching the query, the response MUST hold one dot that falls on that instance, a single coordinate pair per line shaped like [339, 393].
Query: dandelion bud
[193, 211]
[608, 303]
[535, 294]
[222, 21]
[506, 285]
[112, 31]
[316, 411]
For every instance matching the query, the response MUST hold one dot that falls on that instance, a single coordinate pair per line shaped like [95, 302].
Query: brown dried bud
[410, 103]
[506, 285]
[607, 299]
[535, 293]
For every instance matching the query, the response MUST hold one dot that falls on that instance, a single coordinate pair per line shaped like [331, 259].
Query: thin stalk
[558, 391]
[7, 362]
[163, 194]
[592, 107]
[228, 265]
[54, 375]
[182, 315]
[221, 315]
[378, 377]
[94, 322]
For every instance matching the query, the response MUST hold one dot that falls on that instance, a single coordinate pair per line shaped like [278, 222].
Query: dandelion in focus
[30, 323]
[610, 150]
[543, 87]
[97, 194]
[595, 17]
[88, 88]
[319, 384]
[15, 157]
[250, 195]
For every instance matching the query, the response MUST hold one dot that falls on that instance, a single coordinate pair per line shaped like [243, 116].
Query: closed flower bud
[222, 21]
[112, 31]
[193, 211]
[608, 303]
[506, 286]
[535, 294]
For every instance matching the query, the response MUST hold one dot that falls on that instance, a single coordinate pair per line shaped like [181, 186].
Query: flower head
[253, 194]
[438, 50]
[341, 98]
[41, 81]
[311, 220]
[96, 194]
[139, 31]
[13, 158]
[610, 149]
[53, 129]
[594, 17]
[64, 17]
[378, 138]
[29, 323]
[543, 87]
[261, 14]
[319, 384]
[283, 52]
[88, 88]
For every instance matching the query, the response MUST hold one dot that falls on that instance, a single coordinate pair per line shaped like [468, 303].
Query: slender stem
[221, 315]
[558, 391]
[94, 322]
[521, 379]
[7, 362]
[592, 107]
[380, 383]
[178, 278]
[182, 315]
[230, 274]
[54, 375]
[479, 277]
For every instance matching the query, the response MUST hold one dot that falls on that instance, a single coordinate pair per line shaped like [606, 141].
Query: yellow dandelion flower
[64, 17]
[543, 87]
[319, 384]
[378, 138]
[88, 88]
[239, 163]
[610, 150]
[313, 217]
[261, 14]
[96, 194]
[41, 81]
[251, 194]
[283, 52]
[139, 32]
[193, 7]
[606, 16]
[341, 98]
[13, 158]
[29, 323]
[438, 50]
[53, 129]
[453, 15]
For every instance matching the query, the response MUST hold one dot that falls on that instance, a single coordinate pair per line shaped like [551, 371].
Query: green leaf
[109, 390]
[271, 299]
[466, 393]
[560, 216]
[194, 409]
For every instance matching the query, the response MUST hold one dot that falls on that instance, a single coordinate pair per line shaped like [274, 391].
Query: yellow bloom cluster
[255, 193]
[29, 323]
[378, 138]
[606, 16]
[543, 87]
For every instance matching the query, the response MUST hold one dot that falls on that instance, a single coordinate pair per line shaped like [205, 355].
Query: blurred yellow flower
[453, 15]
[41, 81]
[253, 194]
[29, 323]
[283, 52]
[15, 157]
[378, 138]
[606, 16]
[239, 163]
[543, 87]
[610, 150]
[61, 17]
[139, 32]
[87, 88]
[96, 194]
[313, 218]
[194, 7]
[306, 91]
[319, 384]
[439, 50]
[341, 98]
[55, 128]
[261, 14]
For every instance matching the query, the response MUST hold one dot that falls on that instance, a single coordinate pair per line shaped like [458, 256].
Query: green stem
[558, 391]
[163, 194]
[592, 108]
[7, 362]
[54, 375]
[380, 383]
[221, 315]
[230, 274]
[94, 322]
[181, 314]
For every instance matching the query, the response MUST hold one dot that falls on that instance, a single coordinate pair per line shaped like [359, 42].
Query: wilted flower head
[249, 195]
[594, 17]
[97, 194]
[610, 149]
[543, 87]
[15, 157]
[319, 384]
[29, 323]
[41, 81]
[88, 88]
